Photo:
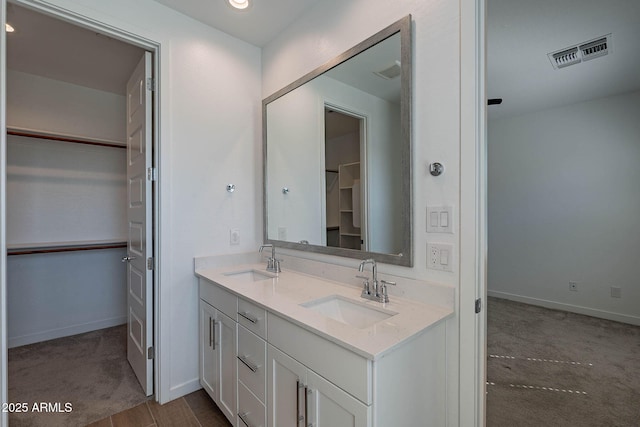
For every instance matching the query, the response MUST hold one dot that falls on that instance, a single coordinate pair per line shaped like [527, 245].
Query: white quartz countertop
[284, 294]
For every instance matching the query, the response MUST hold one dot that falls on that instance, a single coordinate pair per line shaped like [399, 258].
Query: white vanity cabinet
[218, 375]
[286, 374]
[300, 397]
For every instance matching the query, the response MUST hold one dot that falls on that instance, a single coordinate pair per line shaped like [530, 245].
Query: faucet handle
[385, 295]
[365, 290]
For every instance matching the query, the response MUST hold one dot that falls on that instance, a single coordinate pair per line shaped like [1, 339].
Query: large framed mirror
[337, 154]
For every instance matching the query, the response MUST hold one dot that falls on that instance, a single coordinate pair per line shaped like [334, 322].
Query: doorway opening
[562, 318]
[345, 179]
[70, 197]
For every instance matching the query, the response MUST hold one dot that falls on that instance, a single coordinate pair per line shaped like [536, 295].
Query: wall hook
[436, 169]
[231, 188]
[285, 190]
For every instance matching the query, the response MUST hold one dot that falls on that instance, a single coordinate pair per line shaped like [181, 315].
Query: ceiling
[258, 25]
[520, 34]
[57, 50]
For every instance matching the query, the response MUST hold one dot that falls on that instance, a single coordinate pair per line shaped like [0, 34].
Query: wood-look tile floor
[195, 409]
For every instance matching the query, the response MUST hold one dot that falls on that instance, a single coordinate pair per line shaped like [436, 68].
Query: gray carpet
[552, 368]
[90, 371]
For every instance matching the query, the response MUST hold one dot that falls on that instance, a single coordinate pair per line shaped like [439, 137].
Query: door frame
[152, 45]
[472, 336]
[364, 164]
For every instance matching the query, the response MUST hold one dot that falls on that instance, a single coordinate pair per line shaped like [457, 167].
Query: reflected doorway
[345, 179]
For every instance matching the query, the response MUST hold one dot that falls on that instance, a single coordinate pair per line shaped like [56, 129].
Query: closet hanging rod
[64, 248]
[63, 138]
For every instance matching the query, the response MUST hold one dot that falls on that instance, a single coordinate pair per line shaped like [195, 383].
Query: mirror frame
[405, 258]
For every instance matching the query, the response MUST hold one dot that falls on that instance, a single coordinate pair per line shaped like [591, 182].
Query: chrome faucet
[379, 290]
[273, 264]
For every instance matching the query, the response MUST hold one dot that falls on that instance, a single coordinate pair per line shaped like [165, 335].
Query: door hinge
[151, 84]
[478, 305]
[152, 174]
[150, 263]
[150, 353]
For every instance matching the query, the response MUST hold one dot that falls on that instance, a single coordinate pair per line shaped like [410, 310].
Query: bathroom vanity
[295, 349]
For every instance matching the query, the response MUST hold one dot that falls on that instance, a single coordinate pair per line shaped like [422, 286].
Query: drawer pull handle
[306, 404]
[243, 417]
[248, 364]
[251, 318]
[213, 339]
[299, 417]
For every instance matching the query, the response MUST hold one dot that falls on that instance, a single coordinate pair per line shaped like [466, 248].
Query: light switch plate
[440, 219]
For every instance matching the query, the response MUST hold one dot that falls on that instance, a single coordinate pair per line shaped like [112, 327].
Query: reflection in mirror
[337, 154]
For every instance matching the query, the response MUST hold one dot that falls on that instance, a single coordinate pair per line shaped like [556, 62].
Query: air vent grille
[566, 58]
[390, 72]
[583, 52]
[594, 49]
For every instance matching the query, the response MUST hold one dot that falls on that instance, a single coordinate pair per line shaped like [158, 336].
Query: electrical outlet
[234, 236]
[616, 292]
[573, 286]
[440, 256]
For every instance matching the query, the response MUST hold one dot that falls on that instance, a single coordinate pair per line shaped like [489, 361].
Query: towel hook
[436, 169]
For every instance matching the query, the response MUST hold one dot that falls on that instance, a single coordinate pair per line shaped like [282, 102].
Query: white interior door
[139, 219]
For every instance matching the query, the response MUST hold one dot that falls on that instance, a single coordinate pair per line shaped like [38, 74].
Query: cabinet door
[285, 392]
[208, 356]
[227, 368]
[329, 406]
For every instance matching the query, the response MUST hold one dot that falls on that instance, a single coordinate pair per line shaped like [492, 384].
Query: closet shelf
[31, 133]
[52, 247]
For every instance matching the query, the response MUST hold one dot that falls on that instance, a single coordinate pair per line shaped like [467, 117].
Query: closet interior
[66, 178]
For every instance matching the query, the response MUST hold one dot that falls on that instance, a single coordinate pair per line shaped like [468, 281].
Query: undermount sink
[359, 315]
[250, 275]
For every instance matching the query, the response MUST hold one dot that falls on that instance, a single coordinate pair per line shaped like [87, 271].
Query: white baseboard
[66, 331]
[593, 312]
[183, 389]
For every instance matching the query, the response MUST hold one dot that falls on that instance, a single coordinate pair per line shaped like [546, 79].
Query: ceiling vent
[390, 72]
[583, 52]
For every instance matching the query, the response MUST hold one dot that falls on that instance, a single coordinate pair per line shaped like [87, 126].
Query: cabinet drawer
[252, 353]
[251, 412]
[347, 370]
[252, 317]
[220, 298]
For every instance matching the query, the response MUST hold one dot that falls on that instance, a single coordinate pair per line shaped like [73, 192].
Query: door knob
[127, 258]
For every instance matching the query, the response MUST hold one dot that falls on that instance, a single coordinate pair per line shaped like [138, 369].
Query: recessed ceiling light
[239, 4]
[8, 28]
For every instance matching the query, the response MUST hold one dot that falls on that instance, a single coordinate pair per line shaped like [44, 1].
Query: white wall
[330, 28]
[209, 136]
[61, 294]
[564, 205]
[56, 106]
[64, 192]
[296, 161]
